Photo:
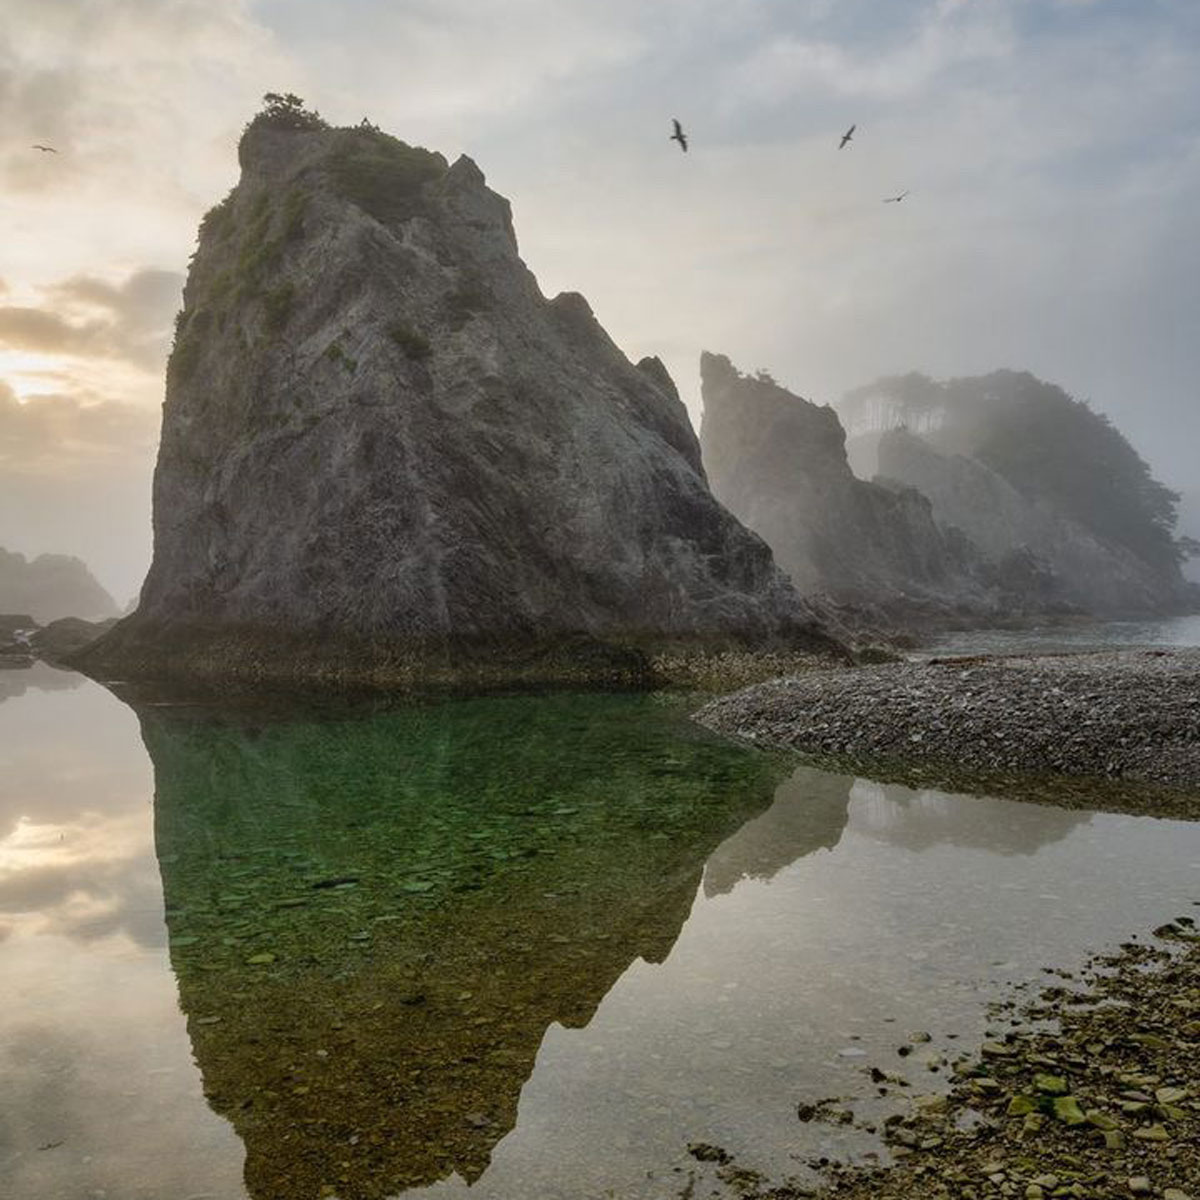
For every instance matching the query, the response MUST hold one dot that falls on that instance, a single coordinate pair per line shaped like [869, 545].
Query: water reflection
[374, 921]
[809, 813]
[37, 676]
[387, 927]
[73, 812]
[919, 820]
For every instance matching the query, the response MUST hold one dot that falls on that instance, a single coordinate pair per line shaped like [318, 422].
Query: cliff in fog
[51, 586]
[779, 463]
[384, 451]
[1019, 465]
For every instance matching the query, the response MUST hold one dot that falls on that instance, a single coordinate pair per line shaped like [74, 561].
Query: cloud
[86, 317]
[55, 434]
[75, 479]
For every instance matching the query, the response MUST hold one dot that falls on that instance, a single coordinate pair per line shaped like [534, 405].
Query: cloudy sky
[1052, 150]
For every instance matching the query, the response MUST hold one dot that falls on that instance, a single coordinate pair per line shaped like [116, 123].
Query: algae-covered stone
[1021, 1104]
[1067, 1110]
[1152, 1133]
[1050, 1085]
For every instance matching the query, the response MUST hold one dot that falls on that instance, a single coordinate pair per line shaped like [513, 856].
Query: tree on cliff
[286, 111]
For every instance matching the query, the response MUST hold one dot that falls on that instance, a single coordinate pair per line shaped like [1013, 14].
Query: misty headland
[387, 458]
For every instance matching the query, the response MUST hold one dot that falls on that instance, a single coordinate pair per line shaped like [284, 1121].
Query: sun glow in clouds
[30, 375]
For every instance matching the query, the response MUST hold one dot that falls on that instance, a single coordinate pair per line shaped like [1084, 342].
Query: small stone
[1139, 1185]
[1048, 1181]
[1175, 1194]
[1171, 1095]
[1050, 1085]
[1019, 1105]
[995, 1050]
[1152, 1133]
[1033, 1192]
[1114, 1139]
[1101, 1120]
[1067, 1110]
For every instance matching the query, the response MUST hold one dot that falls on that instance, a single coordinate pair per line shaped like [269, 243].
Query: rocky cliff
[51, 586]
[779, 463]
[385, 454]
[1024, 469]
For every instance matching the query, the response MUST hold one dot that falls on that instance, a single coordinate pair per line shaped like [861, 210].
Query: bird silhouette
[46, 149]
[678, 136]
[895, 199]
[846, 137]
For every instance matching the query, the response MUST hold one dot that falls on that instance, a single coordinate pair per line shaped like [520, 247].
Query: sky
[1051, 149]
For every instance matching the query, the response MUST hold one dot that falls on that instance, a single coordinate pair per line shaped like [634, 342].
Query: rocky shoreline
[1092, 1091]
[1115, 730]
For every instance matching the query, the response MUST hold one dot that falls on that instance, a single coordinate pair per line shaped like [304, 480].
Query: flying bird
[46, 149]
[847, 136]
[895, 199]
[678, 136]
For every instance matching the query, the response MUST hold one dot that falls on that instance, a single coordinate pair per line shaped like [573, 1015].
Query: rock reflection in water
[918, 820]
[374, 919]
[810, 812]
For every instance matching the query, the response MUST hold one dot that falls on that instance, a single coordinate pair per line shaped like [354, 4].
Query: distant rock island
[386, 454]
[991, 498]
[1017, 463]
[51, 586]
[779, 462]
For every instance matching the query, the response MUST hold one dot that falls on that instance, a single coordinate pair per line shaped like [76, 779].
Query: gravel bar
[1117, 730]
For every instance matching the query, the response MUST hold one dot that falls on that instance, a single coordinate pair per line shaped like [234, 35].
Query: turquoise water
[525, 946]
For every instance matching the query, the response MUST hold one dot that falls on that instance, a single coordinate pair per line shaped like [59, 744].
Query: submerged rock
[385, 454]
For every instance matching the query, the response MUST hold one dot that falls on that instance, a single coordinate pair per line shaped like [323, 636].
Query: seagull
[678, 136]
[46, 149]
[846, 137]
[895, 199]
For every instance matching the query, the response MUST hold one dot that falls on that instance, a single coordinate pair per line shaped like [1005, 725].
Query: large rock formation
[1084, 570]
[385, 452]
[1021, 467]
[51, 586]
[779, 463]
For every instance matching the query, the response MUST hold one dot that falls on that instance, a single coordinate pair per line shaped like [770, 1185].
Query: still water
[1164, 632]
[533, 946]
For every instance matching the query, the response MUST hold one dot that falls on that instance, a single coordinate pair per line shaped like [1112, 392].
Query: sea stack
[386, 456]
[779, 462]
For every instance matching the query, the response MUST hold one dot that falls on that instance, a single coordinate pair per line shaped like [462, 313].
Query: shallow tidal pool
[530, 946]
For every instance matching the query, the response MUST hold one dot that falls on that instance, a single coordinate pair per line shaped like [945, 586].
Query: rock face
[779, 463]
[1083, 570]
[51, 586]
[383, 448]
[1025, 470]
